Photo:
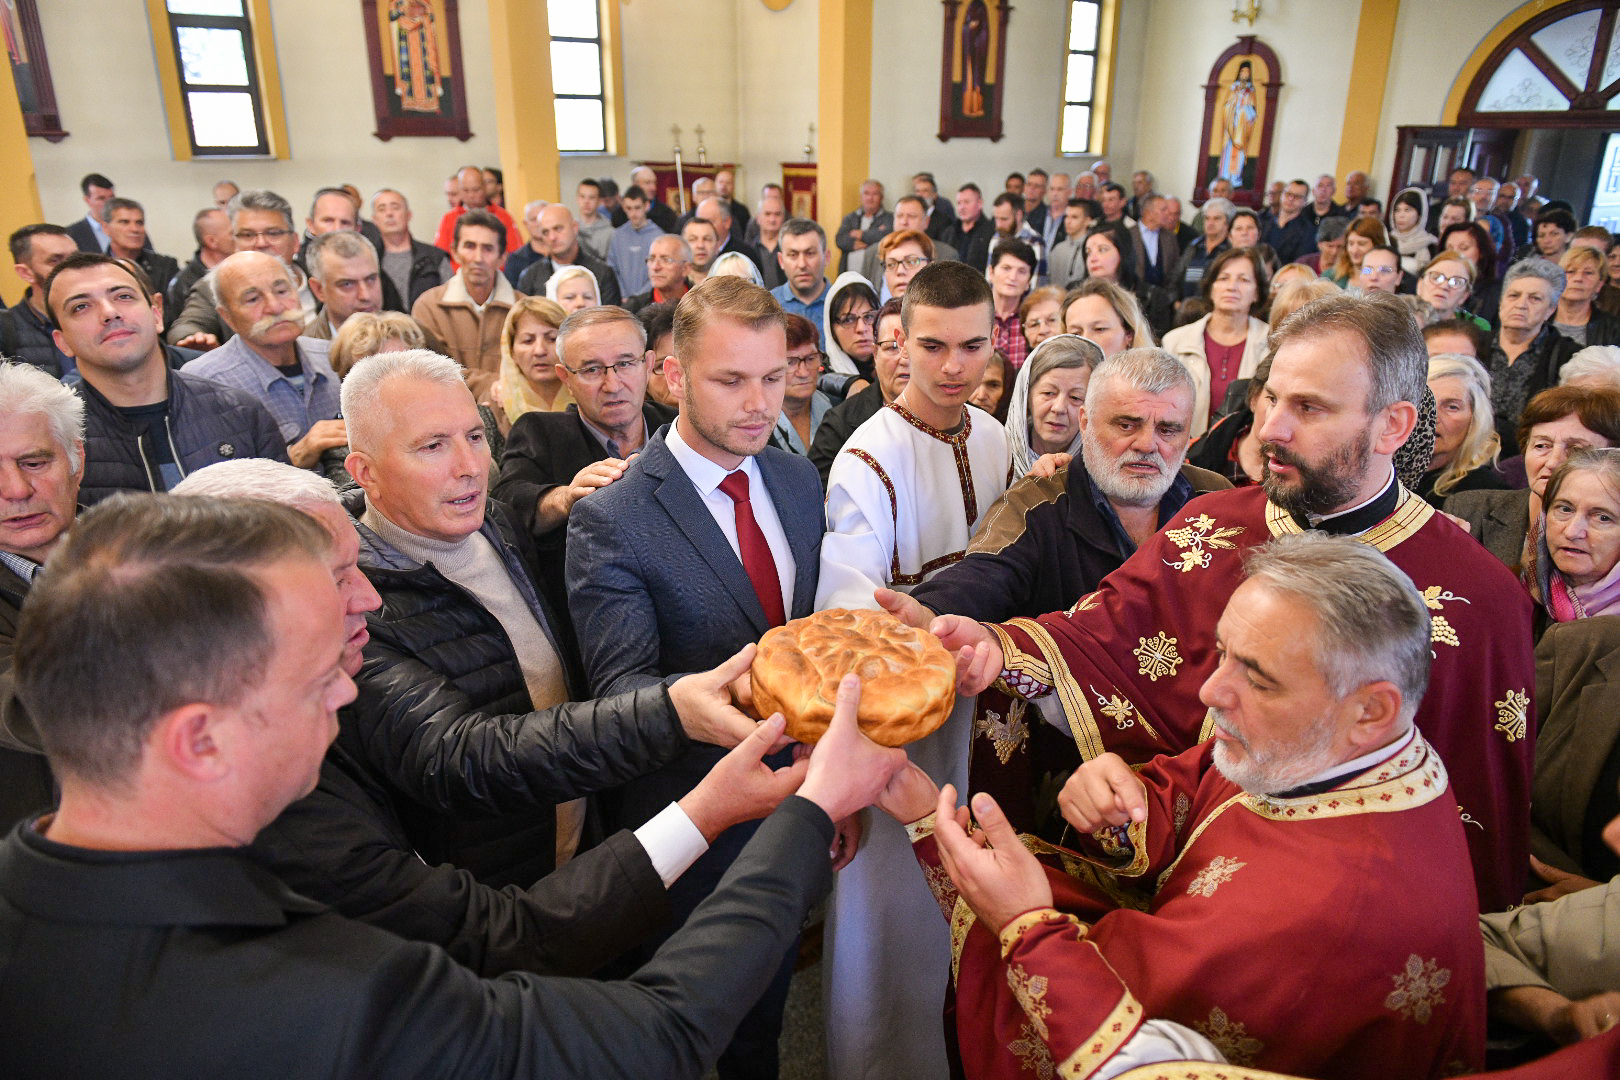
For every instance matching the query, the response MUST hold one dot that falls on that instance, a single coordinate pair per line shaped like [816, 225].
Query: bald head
[558, 232]
[470, 185]
[258, 298]
[716, 213]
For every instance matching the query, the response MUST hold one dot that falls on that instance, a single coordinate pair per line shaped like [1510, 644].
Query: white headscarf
[555, 282]
[837, 359]
[1018, 419]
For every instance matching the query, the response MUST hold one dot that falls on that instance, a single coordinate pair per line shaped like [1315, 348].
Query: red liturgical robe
[1127, 662]
[1328, 935]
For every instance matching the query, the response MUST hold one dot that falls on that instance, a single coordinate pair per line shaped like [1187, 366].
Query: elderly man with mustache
[269, 357]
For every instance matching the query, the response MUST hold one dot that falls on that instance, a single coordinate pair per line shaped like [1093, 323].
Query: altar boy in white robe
[904, 498]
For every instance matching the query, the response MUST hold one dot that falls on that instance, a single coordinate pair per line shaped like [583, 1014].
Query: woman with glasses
[1444, 284]
[1380, 271]
[901, 254]
[1227, 344]
[1362, 236]
[1041, 315]
[1471, 240]
[1578, 316]
[850, 316]
[803, 406]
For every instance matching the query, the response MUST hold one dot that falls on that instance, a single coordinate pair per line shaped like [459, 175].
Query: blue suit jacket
[655, 589]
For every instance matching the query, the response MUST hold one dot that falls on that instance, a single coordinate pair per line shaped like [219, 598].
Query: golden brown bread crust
[908, 679]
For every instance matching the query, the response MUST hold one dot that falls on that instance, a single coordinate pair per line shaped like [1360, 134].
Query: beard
[1108, 474]
[1276, 769]
[1321, 487]
[724, 435]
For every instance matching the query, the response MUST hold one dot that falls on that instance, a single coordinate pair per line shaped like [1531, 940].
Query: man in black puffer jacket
[466, 689]
[146, 425]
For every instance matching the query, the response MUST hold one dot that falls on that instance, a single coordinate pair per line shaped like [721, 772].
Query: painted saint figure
[1237, 122]
[417, 78]
[975, 57]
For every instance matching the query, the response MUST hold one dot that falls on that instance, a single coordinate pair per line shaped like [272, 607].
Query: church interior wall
[750, 77]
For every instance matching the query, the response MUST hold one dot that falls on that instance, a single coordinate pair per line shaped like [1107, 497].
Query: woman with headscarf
[849, 314]
[1407, 213]
[1043, 414]
[575, 288]
[528, 380]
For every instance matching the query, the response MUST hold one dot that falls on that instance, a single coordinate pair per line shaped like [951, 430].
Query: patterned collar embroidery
[954, 439]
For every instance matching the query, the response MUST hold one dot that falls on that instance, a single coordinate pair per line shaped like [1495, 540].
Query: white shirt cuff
[1158, 1041]
[672, 842]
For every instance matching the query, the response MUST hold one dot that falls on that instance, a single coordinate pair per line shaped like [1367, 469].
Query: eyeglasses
[910, 262]
[815, 361]
[1455, 281]
[1378, 271]
[662, 260]
[1038, 324]
[888, 346]
[246, 237]
[591, 374]
[865, 318]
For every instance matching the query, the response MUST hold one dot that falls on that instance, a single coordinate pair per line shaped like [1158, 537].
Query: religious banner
[973, 69]
[799, 185]
[1240, 111]
[415, 51]
[25, 48]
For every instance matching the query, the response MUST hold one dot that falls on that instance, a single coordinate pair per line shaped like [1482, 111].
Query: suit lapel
[803, 525]
[680, 500]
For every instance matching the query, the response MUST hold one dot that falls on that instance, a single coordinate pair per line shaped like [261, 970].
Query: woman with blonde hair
[1290, 296]
[1465, 440]
[367, 333]
[1578, 317]
[736, 264]
[528, 379]
[1106, 314]
[575, 288]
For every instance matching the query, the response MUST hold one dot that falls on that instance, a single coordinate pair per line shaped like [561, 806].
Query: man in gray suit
[710, 538]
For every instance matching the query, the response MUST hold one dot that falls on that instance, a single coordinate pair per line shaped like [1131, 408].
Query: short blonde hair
[1580, 253]
[363, 333]
[1295, 295]
[717, 298]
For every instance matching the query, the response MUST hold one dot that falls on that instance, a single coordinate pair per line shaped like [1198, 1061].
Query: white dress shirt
[706, 477]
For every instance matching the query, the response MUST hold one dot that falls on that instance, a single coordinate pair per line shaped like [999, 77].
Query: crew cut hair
[1147, 368]
[1391, 344]
[341, 244]
[596, 316]
[260, 199]
[360, 396]
[1372, 625]
[948, 285]
[260, 478]
[26, 390]
[798, 226]
[727, 297]
[151, 604]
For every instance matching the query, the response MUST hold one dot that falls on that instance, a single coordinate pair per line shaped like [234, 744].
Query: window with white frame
[1080, 75]
[578, 76]
[219, 81]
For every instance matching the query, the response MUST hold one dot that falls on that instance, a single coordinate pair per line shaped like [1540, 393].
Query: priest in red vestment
[1293, 894]
[1127, 660]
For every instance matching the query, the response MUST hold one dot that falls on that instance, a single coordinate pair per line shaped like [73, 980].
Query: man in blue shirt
[802, 253]
[627, 254]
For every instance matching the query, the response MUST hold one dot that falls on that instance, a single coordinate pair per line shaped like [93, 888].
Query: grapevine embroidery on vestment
[1199, 539]
[1417, 989]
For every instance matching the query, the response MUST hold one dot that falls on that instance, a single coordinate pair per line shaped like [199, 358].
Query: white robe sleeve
[857, 552]
[1159, 1041]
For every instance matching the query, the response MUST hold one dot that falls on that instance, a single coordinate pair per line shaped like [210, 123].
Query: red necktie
[756, 553]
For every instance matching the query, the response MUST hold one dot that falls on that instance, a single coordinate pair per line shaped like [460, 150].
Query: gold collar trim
[1411, 514]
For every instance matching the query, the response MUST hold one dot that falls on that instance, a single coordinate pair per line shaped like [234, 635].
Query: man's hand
[1588, 1017]
[979, 659]
[1049, 464]
[322, 436]
[847, 770]
[703, 702]
[199, 340]
[903, 607]
[995, 874]
[1559, 882]
[552, 510]
[910, 795]
[846, 841]
[1102, 792]
[741, 787]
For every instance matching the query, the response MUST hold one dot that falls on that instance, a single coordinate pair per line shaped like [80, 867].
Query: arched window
[1559, 69]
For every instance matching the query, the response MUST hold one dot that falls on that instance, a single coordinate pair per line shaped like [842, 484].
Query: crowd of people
[376, 618]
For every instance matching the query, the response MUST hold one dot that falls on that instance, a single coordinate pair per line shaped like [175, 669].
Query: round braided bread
[908, 679]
